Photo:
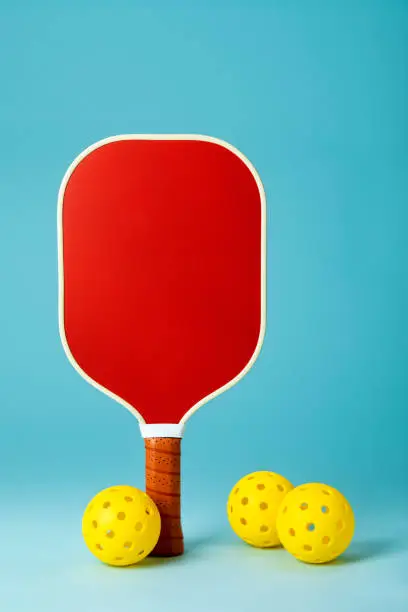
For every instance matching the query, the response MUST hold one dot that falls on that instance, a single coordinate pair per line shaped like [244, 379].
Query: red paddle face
[161, 262]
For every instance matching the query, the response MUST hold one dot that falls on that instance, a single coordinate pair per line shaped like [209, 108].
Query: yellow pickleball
[121, 525]
[315, 523]
[253, 506]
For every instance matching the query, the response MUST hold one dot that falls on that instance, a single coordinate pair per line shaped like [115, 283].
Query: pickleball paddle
[162, 285]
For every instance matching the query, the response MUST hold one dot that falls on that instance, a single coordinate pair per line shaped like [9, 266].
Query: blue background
[314, 93]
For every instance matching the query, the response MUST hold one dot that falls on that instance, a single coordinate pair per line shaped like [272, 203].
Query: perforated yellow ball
[121, 525]
[315, 523]
[253, 506]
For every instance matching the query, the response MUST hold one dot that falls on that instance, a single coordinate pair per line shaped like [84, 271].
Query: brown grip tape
[163, 486]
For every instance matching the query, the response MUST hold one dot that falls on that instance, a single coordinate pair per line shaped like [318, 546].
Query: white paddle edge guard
[76, 366]
[161, 430]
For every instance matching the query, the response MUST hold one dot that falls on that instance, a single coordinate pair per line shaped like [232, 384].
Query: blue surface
[315, 94]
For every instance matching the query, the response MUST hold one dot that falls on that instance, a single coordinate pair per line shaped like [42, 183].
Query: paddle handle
[163, 486]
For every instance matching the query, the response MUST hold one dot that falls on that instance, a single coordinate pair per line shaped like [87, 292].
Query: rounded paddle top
[162, 270]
